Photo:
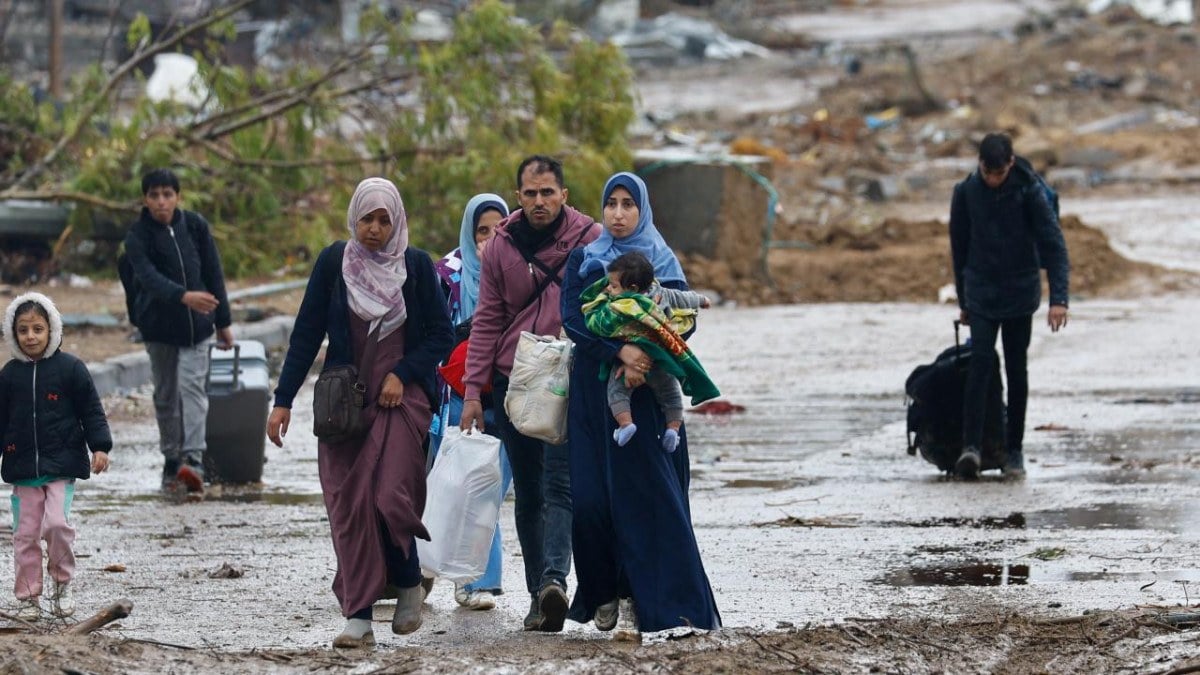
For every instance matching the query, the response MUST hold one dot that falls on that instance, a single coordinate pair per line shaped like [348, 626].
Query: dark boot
[1014, 465]
[408, 610]
[552, 603]
[533, 620]
[967, 466]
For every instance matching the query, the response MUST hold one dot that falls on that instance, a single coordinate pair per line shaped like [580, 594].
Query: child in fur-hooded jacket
[50, 415]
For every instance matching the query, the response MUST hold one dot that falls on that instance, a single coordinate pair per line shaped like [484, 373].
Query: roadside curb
[130, 371]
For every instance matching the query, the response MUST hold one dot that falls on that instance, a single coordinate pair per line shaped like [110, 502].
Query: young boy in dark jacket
[1003, 230]
[178, 302]
[50, 415]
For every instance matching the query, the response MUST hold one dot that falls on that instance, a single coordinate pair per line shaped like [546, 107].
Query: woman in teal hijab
[459, 272]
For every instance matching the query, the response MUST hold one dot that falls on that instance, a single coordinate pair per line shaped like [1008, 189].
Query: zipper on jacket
[37, 458]
[183, 273]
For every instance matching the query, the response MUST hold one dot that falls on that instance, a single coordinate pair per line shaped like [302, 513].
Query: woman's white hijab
[375, 279]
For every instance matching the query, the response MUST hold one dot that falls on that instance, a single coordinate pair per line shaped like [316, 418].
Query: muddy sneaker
[62, 601]
[627, 623]
[30, 609]
[356, 635]
[191, 477]
[967, 466]
[605, 617]
[533, 620]
[1014, 466]
[552, 602]
[479, 600]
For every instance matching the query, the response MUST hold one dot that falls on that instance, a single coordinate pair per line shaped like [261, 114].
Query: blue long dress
[632, 534]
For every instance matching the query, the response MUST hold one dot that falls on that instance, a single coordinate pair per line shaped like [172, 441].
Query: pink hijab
[375, 280]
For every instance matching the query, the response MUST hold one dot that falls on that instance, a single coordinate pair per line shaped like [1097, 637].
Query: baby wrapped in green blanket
[630, 305]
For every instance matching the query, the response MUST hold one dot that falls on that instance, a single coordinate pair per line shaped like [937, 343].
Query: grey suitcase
[238, 399]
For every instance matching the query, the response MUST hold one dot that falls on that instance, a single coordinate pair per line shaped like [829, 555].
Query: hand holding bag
[463, 506]
[538, 387]
[340, 398]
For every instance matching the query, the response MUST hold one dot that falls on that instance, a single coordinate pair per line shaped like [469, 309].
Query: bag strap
[368, 357]
[551, 274]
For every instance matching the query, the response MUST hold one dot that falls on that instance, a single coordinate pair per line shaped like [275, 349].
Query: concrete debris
[672, 34]
[1162, 12]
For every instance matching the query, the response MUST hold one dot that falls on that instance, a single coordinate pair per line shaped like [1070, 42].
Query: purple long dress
[378, 480]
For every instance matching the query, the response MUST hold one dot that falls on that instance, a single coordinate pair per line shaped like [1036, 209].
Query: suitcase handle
[957, 323]
[237, 364]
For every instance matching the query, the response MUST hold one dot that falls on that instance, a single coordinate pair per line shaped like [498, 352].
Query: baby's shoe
[670, 440]
[62, 601]
[623, 435]
[30, 609]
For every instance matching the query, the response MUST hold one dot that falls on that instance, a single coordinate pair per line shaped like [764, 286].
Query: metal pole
[56, 40]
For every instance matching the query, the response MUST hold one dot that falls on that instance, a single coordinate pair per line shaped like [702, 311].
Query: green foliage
[274, 179]
[494, 95]
[139, 31]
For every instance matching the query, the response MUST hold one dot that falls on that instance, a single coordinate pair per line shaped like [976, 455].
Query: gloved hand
[670, 440]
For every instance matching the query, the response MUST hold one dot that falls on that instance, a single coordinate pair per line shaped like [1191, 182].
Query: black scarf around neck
[530, 239]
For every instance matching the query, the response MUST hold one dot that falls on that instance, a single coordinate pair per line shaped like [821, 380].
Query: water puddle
[976, 574]
[233, 494]
[1011, 521]
[782, 484]
[1160, 397]
[1006, 574]
[1167, 517]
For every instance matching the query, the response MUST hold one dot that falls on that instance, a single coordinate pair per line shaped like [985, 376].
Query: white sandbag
[461, 507]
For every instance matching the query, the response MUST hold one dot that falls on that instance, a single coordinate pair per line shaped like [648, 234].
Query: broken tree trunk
[118, 610]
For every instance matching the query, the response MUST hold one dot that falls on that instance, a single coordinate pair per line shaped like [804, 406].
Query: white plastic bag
[536, 401]
[462, 506]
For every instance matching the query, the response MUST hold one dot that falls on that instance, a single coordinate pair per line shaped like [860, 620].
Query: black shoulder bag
[340, 398]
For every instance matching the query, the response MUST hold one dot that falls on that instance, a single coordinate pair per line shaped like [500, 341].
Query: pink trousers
[41, 513]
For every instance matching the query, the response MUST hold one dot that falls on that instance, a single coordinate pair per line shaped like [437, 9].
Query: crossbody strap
[368, 357]
[551, 274]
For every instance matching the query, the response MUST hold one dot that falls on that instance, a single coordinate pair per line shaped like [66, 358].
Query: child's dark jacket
[50, 413]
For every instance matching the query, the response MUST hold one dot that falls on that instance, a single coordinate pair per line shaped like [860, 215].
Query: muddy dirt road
[806, 505]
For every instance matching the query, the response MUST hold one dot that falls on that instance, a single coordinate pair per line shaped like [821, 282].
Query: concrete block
[708, 206]
[132, 370]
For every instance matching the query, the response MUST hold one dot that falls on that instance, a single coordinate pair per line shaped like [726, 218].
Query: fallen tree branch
[118, 610]
[69, 196]
[17, 619]
[92, 106]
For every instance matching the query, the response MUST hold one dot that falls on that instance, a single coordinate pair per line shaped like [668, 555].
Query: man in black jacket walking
[1002, 230]
[177, 301]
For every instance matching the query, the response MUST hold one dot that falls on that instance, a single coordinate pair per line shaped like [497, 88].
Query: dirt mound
[908, 261]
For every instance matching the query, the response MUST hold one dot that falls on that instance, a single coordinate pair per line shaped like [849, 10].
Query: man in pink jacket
[518, 291]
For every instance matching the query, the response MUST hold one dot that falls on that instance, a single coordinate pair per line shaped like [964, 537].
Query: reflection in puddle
[979, 574]
[1168, 398]
[1172, 518]
[1011, 521]
[759, 483]
[995, 574]
[252, 493]
[234, 494]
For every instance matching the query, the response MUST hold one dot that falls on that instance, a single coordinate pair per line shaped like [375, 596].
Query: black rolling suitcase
[238, 399]
[935, 410]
